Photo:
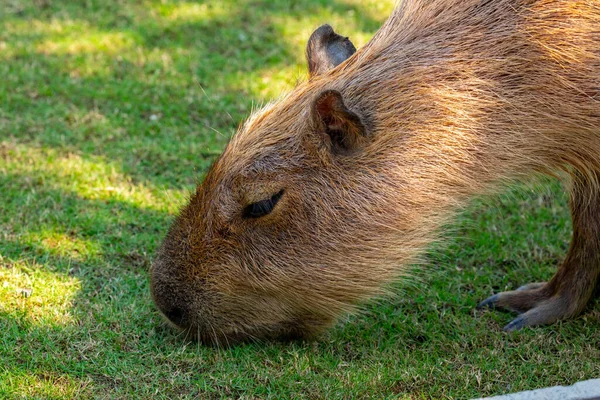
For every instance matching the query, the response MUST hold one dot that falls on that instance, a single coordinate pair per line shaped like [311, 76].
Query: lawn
[112, 110]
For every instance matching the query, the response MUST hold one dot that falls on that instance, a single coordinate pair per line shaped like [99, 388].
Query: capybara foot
[547, 312]
[521, 300]
[537, 304]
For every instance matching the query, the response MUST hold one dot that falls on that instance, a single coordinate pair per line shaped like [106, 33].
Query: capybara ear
[326, 50]
[343, 127]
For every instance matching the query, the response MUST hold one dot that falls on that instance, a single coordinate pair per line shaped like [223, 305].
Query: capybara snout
[166, 296]
[220, 318]
[221, 292]
[328, 194]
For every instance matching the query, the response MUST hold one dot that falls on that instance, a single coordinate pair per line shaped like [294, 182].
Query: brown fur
[457, 97]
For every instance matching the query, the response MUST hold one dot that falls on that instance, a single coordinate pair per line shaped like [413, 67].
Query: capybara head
[276, 241]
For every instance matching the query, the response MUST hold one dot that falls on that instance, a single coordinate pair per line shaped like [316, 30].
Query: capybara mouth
[214, 337]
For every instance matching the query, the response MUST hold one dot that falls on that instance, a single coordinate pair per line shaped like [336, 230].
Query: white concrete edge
[586, 390]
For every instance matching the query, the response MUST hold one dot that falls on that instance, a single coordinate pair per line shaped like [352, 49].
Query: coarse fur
[450, 99]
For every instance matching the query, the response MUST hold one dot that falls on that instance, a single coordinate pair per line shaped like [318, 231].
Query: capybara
[328, 194]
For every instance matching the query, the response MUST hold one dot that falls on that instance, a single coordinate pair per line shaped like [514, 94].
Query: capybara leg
[570, 289]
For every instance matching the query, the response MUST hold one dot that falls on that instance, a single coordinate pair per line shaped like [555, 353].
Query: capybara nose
[170, 301]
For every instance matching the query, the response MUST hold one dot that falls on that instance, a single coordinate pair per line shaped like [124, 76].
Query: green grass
[111, 110]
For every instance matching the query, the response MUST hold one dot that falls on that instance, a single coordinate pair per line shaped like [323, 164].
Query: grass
[110, 112]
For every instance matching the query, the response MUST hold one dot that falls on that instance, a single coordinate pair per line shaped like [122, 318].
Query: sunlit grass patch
[192, 12]
[93, 179]
[297, 29]
[32, 293]
[31, 29]
[40, 385]
[64, 245]
[269, 84]
[371, 8]
[105, 42]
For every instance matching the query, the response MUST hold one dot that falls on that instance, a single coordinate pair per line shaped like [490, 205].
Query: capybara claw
[516, 324]
[490, 302]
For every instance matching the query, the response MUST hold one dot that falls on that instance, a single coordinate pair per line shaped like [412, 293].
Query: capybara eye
[263, 207]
